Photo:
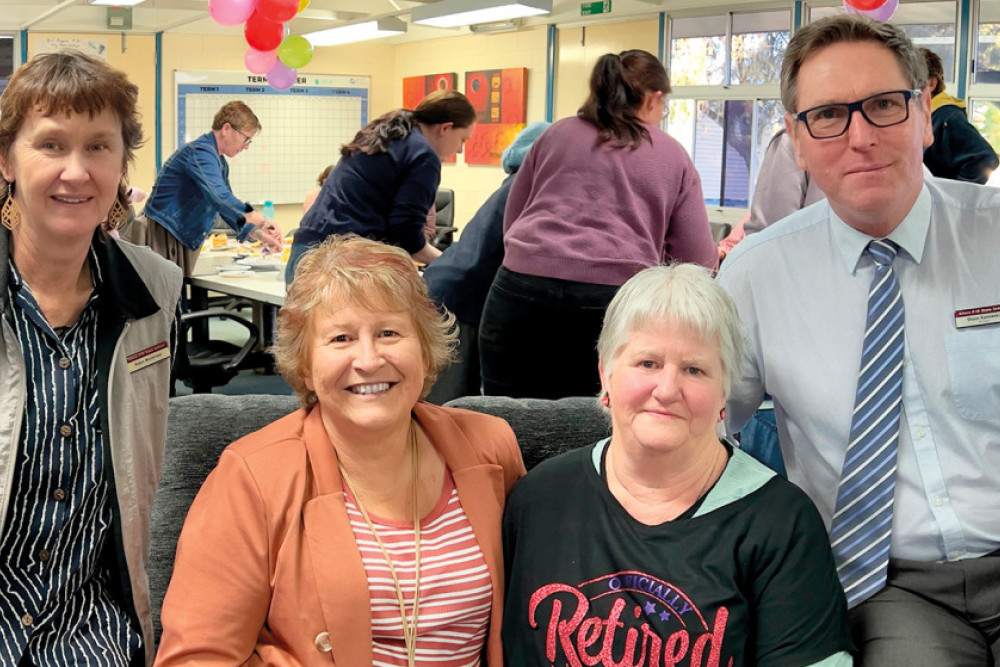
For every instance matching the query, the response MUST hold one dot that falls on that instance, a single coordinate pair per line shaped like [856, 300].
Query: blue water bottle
[267, 212]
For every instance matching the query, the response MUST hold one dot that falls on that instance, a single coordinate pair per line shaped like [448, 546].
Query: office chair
[444, 229]
[206, 362]
[720, 230]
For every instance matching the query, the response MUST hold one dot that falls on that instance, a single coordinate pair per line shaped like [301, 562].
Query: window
[984, 93]
[725, 73]
[6, 59]
[987, 67]
[698, 51]
[931, 25]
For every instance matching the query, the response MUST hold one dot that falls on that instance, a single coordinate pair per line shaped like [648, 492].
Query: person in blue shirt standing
[193, 188]
[385, 182]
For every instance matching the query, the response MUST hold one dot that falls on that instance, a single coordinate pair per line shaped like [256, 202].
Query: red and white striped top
[455, 585]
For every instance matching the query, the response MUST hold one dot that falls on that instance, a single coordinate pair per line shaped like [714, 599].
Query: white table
[264, 289]
[263, 286]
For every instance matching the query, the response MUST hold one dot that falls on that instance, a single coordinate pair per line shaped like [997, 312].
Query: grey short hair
[847, 28]
[682, 293]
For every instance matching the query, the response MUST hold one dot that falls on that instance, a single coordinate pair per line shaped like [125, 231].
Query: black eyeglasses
[881, 110]
[246, 140]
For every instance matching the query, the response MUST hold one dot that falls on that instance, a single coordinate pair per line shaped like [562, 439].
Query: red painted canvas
[500, 99]
[416, 88]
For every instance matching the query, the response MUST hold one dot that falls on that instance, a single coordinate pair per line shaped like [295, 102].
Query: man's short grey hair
[847, 28]
[684, 294]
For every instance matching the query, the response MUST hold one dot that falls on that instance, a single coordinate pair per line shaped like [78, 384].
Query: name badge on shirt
[147, 356]
[977, 317]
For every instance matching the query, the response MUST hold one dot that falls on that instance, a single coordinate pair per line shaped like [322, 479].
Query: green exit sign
[599, 7]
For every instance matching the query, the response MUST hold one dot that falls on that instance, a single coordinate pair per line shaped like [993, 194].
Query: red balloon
[278, 10]
[262, 33]
[865, 5]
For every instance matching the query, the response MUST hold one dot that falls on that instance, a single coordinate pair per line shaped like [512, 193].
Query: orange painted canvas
[500, 99]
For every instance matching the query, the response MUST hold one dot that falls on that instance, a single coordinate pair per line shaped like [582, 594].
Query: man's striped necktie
[862, 520]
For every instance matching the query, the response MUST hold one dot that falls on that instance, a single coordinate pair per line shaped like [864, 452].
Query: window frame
[728, 92]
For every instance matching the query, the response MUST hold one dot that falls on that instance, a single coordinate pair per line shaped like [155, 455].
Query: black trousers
[538, 336]
[932, 615]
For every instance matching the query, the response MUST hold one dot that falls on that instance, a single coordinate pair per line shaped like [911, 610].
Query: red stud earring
[722, 414]
[605, 400]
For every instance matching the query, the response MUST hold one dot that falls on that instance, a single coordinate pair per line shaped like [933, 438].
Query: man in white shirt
[858, 113]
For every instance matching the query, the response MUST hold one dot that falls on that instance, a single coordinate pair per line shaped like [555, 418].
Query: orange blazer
[267, 571]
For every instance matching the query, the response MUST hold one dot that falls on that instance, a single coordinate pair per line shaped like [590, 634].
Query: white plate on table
[236, 273]
[260, 263]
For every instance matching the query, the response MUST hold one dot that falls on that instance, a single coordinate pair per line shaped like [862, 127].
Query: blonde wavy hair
[366, 274]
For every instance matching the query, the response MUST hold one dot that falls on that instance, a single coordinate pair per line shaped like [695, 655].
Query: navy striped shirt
[56, 606]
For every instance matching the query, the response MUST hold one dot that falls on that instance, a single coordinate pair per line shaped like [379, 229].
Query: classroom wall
[386, 64]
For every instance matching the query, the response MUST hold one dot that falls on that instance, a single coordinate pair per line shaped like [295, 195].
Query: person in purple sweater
[599, 197]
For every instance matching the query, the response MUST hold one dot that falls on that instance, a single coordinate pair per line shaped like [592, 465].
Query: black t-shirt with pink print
[745, 577]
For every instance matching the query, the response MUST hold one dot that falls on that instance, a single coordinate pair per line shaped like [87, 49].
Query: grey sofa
[200, 426]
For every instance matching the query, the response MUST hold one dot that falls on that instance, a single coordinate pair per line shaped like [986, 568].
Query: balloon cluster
[271, 50]
[880, 10]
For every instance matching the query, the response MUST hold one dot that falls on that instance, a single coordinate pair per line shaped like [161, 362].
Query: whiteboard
[303, 127]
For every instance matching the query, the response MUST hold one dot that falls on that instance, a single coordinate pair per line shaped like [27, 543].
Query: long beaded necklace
[409, 629]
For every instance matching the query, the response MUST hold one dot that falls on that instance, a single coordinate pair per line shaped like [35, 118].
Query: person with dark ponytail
[385, 182]
[599, 197]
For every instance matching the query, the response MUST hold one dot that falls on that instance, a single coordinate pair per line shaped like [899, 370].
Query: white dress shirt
[801, 287]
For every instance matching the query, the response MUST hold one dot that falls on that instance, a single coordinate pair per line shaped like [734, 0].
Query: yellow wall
[579, 49]
[386, 64]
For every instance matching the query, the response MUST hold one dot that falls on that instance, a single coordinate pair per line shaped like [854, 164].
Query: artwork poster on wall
[500, 99]
[416, 88]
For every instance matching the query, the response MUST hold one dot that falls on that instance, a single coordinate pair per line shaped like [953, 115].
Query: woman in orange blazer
[302, 546]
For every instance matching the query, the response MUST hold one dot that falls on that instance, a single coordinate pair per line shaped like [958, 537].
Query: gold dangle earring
[118, 215]
[10, 214]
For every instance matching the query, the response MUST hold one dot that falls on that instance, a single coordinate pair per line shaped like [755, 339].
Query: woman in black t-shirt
[663, 544]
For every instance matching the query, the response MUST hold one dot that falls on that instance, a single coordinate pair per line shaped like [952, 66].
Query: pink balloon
[883, 13]
[231, 12]
[281, 77]
[259, 62]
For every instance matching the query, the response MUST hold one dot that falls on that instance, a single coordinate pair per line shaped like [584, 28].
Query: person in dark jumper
[460, 279]
[959, 151]
[385, 182]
